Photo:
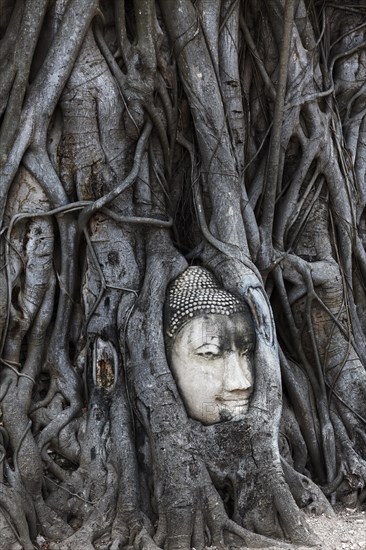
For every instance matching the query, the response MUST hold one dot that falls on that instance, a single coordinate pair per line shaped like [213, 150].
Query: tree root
[101, 146]
[53, 527]
[225, 531]
[9, 536]
[307, 495]
[207, 524]
[98, 522]
[354, 466]
[13, 505]
[267, 506]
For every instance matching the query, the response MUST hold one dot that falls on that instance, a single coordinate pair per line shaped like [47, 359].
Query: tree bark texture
[138, 137]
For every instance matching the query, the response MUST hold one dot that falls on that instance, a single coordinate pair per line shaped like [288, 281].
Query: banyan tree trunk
[139, 137]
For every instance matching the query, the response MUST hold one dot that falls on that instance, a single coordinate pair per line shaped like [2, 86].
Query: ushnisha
[196, 292]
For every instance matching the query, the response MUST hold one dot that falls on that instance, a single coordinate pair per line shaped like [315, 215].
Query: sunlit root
[207, 524]
[307, 495]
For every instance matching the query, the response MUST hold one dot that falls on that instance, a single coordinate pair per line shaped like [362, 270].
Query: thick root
[8, 537]
[53, 527]
[307, 495]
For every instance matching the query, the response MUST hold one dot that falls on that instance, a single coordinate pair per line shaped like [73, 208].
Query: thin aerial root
[126, 183]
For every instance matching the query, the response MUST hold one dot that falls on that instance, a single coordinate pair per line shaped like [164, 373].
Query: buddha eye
[209, 353]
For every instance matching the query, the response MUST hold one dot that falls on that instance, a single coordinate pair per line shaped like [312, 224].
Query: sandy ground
[346, 531]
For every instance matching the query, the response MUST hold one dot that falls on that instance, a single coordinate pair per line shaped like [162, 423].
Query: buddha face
[211, 360]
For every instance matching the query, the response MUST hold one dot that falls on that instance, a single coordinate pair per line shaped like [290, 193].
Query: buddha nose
[238, 375]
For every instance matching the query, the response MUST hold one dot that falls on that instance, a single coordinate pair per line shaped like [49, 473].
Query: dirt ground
[346, 531]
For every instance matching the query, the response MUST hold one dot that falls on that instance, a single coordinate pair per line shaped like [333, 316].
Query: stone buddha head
[210, 341]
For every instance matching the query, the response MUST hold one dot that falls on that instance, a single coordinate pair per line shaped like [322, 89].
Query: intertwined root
[78, 368]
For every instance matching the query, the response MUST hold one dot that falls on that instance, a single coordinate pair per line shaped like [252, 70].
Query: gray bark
[138, 137]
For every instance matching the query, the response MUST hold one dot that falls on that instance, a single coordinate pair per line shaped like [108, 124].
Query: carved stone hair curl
[196, 292]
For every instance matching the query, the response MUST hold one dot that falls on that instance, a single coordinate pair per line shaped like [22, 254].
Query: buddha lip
[237, 399]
